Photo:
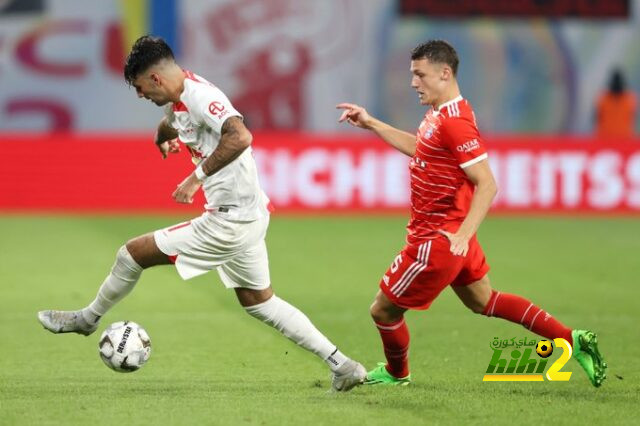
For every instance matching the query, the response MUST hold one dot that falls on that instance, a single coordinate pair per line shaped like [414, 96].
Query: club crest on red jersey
[428, 126]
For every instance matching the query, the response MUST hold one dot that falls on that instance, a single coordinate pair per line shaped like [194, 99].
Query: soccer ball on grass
[124, 346]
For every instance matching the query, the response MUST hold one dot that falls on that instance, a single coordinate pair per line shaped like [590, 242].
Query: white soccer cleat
[66, 322]
[348, 376]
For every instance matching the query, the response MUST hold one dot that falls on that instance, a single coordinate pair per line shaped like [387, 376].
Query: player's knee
[375, 311]
[142, 251]
[125, 265]
[132, 246]
[379, 314]
[123, 253]
[129, 250]
[138, 242]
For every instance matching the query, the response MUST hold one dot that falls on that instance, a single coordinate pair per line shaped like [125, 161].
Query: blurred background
[539, 74]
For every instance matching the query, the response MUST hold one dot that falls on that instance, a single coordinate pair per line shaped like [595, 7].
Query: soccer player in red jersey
[452, 188]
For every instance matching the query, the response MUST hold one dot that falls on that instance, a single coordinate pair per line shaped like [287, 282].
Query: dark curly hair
[437, 52]
[145, 52]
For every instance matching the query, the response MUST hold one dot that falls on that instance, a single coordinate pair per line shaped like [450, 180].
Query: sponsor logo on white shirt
[217, 109]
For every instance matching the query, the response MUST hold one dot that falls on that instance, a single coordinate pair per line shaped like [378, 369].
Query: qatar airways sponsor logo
[468, 146]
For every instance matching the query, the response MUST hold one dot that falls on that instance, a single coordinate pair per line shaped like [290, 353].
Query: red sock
[395, 339]
[519, 310]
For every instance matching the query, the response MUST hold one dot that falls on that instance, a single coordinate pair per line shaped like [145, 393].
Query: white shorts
[236, 249]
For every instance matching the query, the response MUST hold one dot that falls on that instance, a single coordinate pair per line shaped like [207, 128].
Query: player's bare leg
[292, 323]
[145, 251]
[138, 254]
[384, 311]
[389, 320]
[480, 298]
[475, 296]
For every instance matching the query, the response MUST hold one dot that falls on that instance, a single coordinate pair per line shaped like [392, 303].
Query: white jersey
[233, 192]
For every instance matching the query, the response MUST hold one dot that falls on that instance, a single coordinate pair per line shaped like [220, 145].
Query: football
[544, 348]
[124, 346]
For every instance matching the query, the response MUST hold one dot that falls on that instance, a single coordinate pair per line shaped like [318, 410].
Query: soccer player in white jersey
[229, 236]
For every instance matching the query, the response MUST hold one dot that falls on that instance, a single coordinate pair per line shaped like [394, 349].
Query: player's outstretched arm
[166, 138]
[359, 117]
[234, 139]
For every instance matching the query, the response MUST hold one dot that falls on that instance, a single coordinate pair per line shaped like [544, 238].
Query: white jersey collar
[452, 101]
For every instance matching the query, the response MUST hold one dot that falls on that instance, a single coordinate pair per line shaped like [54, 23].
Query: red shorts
[420, 272]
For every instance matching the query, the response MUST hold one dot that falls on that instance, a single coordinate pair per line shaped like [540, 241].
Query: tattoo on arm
[234, 139]
[230, 127]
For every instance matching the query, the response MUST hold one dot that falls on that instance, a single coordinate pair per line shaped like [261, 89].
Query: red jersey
[446, 142]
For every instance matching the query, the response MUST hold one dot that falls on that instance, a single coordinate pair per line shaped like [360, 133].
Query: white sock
[123, 277]
[295, 325]
[336, 360]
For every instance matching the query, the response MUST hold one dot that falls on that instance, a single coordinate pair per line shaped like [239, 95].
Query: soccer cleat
[380, 376]
[66, 322]
[585, 351]
[349, 375]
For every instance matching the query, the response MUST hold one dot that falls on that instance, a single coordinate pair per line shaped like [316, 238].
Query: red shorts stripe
[178, 226]
[420, 272]
[418, 266]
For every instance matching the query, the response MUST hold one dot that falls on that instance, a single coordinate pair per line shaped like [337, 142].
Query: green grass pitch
[213, 364]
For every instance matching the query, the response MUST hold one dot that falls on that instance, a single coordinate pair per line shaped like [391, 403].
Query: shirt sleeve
[216, 108]
[462, 138]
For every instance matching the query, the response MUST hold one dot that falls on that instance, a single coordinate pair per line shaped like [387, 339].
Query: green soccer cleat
[380, 376]
[585, 351]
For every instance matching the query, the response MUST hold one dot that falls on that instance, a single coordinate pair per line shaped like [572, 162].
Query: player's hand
[171, 146]
[355, 115]
[459, 243]
[187, 189]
